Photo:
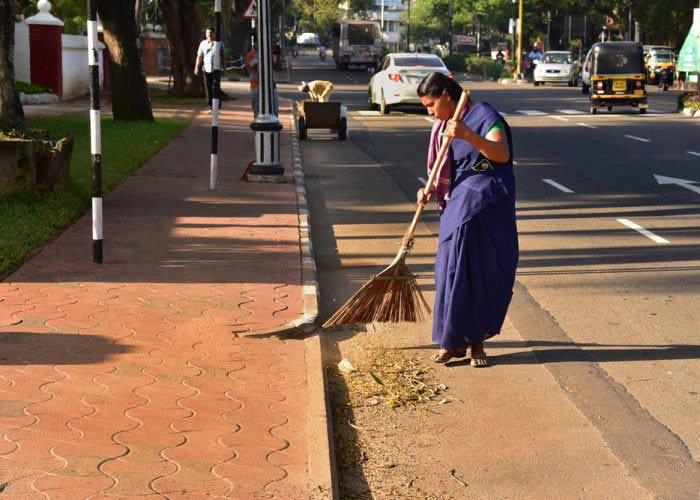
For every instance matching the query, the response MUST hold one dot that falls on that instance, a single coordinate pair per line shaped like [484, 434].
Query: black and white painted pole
[267, 166]
[95, 133]
[216, 97]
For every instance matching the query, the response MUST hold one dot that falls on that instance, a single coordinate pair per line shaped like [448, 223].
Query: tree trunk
[130, 99]
[184, 34]
[11, 112]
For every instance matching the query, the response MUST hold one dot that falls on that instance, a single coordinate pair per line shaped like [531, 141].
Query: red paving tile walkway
[135, 378]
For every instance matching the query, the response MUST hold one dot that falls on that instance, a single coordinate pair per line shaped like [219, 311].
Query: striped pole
[216, 98]
[95, 133]
[267, 166]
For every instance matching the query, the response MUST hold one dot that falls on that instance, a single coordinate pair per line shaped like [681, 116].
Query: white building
[392, 32]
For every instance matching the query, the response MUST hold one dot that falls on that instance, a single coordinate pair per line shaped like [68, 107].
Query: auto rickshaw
[617, 76]
[660, 66]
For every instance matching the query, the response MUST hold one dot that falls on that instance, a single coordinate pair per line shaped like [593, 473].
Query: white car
[397, 78]
[556, 67]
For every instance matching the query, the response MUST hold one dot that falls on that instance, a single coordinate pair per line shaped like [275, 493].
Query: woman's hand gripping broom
[393, 295]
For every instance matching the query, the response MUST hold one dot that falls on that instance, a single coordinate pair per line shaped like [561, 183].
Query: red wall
[46, 56]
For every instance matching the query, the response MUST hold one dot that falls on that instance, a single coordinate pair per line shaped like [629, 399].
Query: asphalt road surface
[608, 285]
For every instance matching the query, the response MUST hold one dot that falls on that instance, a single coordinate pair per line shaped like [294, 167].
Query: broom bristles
[391, 296]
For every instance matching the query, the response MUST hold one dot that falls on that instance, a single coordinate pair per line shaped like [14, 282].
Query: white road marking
[641, 230]
[635, 138]
[661, 179]
[694, 153]
[530, 112]
[515, 162]
[560, 118]
[368, 113]
[422, 181]
[431, 120]
[570, 112]
[503, 113]
[558, 186]
[586, 125]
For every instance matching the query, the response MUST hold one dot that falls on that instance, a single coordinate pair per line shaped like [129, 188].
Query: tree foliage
[660, 22]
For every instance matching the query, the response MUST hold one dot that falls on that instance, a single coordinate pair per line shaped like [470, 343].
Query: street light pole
[95, 132]
[216, 98]
[449, 15]
[408, 29]
[267, 166]
[520, 37]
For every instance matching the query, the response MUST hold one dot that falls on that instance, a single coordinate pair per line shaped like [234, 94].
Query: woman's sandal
[479, 361]
[444, 355]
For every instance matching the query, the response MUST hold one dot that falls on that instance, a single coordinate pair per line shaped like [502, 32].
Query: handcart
[328, 115]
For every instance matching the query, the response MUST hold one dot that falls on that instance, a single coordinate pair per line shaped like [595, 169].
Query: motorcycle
[322, 55]
[665, 78]
[295, 53]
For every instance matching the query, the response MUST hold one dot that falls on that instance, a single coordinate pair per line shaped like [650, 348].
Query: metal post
[95, 133]
[449, 15]
[629, 23]
[408, 29]
[216, 98]
[515, 32]
[520, 37]
[382, 19]
[267, 166]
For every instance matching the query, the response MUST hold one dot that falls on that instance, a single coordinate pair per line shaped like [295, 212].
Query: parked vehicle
[397, 78]
[616, 75]
[356, 43]
[556, 67]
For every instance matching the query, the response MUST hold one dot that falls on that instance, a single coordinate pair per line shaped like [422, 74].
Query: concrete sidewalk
[144, 376]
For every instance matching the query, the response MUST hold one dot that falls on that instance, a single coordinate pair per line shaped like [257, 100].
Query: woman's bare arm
[494, 146]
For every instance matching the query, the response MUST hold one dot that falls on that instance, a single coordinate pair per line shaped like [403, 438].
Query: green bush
[690, 100]
[455, 62]
[30, 88]
[486, 67]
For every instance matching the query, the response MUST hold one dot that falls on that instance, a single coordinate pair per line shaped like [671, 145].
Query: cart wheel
[343, 129]
[384, 108]
[302, 128]
[609, 108]
[642, 110]
[594, 110]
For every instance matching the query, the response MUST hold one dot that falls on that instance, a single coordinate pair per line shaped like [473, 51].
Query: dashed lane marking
[635, 138]
[587, 125]
[560, 118]
[694, 153]
[570, 111]
[531, 112]
[422, 181]
[654, 237]
[557, 185]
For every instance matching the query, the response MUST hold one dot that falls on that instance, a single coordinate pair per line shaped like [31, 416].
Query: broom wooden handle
[434, 173]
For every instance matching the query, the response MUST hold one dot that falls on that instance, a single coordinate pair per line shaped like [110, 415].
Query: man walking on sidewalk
[205, 60]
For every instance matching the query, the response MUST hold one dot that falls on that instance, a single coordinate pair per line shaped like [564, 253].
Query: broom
[393, 295]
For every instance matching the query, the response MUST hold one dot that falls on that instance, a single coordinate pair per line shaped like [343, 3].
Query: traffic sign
[251, 12]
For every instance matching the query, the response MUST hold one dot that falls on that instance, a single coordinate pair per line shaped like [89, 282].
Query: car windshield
[618, 63]
[557, 58]
[662, 57]
[418, 62]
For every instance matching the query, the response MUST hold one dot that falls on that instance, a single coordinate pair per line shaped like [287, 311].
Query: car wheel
[343, 129]
[370, 105]
[301, 132]
[384, 108]
[535, 83]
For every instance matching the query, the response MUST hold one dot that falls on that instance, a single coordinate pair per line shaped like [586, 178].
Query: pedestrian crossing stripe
[530, 112]
[368, 113]
[571, 111]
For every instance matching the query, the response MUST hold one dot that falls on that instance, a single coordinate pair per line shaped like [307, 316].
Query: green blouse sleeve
[499, 126]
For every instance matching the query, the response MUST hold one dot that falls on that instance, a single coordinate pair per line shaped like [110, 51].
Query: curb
[690, 112]
[319, 426]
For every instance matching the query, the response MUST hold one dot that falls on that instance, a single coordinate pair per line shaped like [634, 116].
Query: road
[608, 285]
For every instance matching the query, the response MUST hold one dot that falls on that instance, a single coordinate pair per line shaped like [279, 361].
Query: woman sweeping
[478, 243]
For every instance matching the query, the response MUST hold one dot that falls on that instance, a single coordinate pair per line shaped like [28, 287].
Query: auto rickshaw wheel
[609, 108]
[343, 129]
[642, 111]
[594, 110]
[301, 132]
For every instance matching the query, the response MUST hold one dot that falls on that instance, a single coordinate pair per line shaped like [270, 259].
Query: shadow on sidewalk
[22, 348]
[563, 352]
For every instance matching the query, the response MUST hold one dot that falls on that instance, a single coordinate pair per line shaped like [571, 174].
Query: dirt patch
[382, 411]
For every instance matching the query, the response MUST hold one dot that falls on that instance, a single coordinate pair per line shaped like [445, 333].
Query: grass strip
[30, 218]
